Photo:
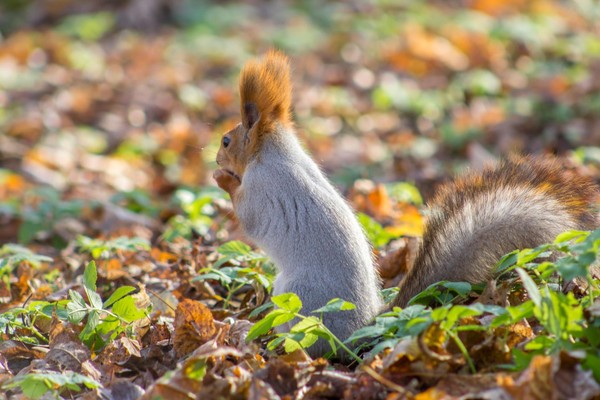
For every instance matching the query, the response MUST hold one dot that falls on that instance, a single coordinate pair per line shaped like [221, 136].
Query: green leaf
[388, 294]
[29, 229]
[488, 308]
[290, 344]
[90, 27]
[521, 359]
[127, 309]
[592, 363]
[95, 299]
[90, 276]
[540, 343]
[528, 255]
[440, 313]
[520, 311]
[196, 369]
[530, 286]
[103, 248]
[461, 288]
[117, 295]
[299, 340]
[371, 331]
[377, 235]
[92, 321]
[570, 235]
[272, 345]
[456, 313]
[76, 308]
[35, 385]
[234, 248]
[260, 309]
[404, 192]
[570, 268]
[506, 262]
[214, 274]
[288, 301]
[34, 389]
[306, 325]
[271, 320]
[335, 305]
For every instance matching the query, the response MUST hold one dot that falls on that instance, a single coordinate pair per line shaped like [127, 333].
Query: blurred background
[126, 100]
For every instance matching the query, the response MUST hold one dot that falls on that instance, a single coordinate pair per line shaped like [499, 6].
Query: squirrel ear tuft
[266, 92]
[250, 115]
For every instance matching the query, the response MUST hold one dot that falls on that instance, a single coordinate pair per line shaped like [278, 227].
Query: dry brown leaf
[194, 326]
[68, 356]
[479, 386]
[19, 355]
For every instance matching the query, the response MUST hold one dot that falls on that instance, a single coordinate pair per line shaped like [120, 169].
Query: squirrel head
[265, 94]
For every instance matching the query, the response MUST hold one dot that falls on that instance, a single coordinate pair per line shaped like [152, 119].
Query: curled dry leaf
[18, 355]
[62, 332]
[552, 377]
[282, 377]
[398, 260]
[488, 349]
[194, 325]
[158, 334]
[238, 332]
[480, 386]
[68, 356]
[202, 374]
[121, 350]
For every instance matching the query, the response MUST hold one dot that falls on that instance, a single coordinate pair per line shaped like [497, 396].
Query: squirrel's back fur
[479, 217]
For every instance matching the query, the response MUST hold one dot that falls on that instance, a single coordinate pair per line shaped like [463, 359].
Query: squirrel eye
[226, 141]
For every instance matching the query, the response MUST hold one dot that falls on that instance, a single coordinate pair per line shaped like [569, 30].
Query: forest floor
[123, 273]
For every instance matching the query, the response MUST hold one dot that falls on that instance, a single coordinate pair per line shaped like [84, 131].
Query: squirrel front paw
[227, 181]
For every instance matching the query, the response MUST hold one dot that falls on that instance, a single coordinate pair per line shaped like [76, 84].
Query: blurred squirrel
[287, 206]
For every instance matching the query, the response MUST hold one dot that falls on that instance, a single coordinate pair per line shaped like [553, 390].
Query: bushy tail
[478, 218]
[266, 92]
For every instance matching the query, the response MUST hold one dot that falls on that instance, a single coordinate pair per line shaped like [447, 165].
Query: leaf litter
[108, 140]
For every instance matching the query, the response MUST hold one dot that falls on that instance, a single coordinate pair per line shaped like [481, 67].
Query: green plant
[391, 327]
[565, 322]
[137, 201]
[104, 320]
[568, 323]
[442, 293]
[103, 248]
[404, 192]
[11, 255]
[245, 267]
[22, 323]
[376, 233]
[35, 385]
[42, 218]
[306, 331]
[89, 27]
[198, 211]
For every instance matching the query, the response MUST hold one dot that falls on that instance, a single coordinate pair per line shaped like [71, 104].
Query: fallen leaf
[193, 325]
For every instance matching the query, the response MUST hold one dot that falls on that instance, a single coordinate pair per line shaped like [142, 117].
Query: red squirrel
[288, 207]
